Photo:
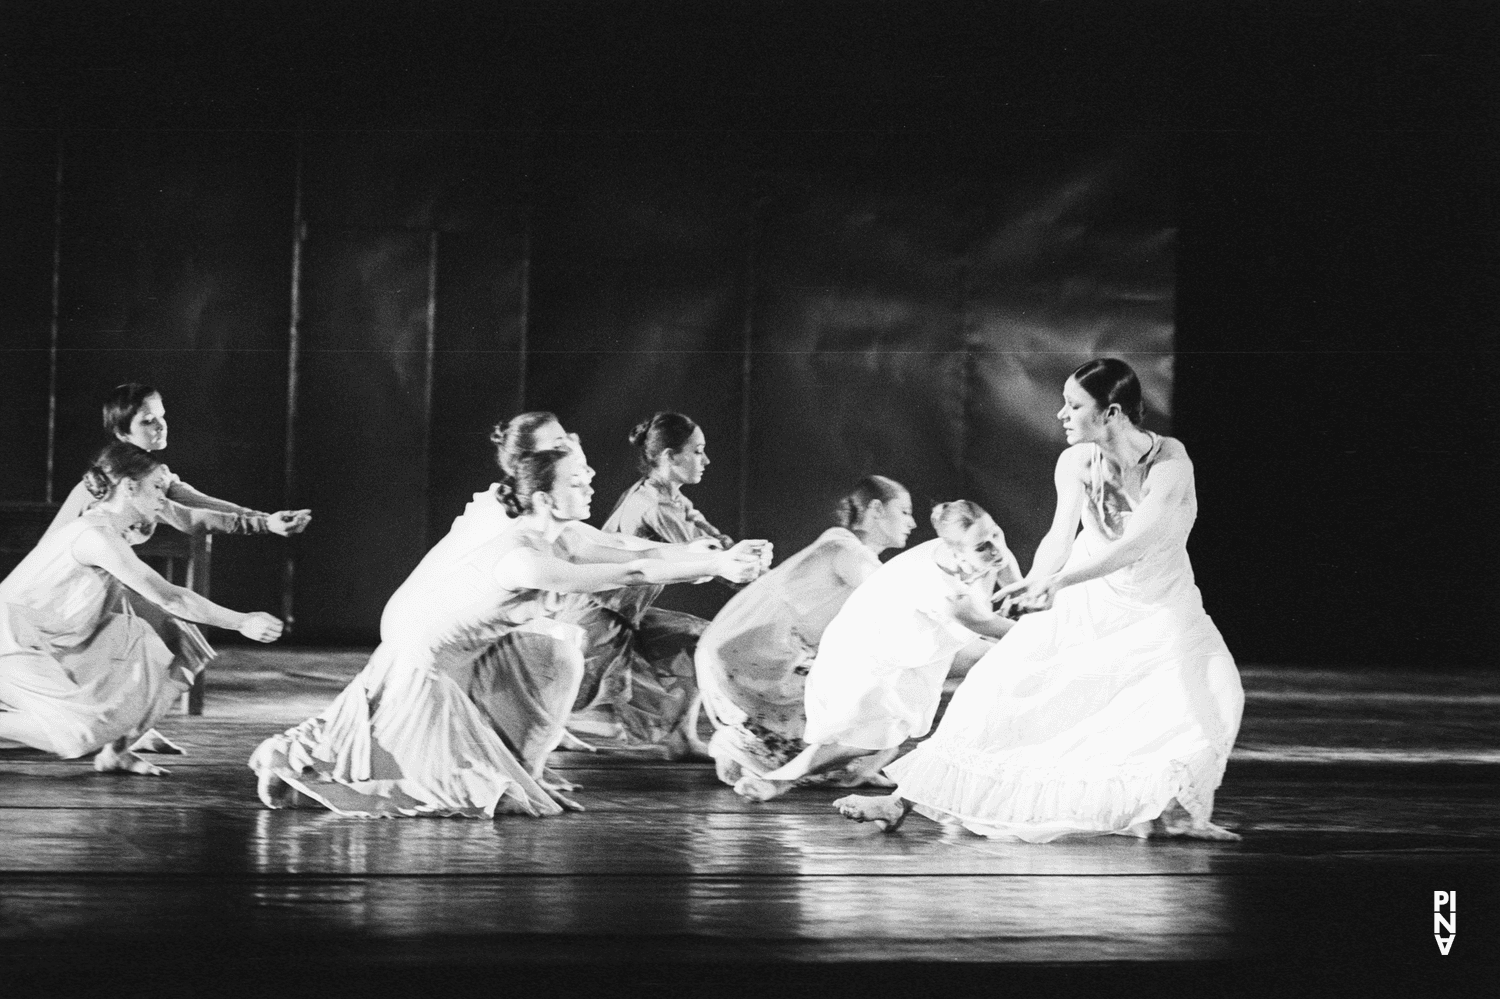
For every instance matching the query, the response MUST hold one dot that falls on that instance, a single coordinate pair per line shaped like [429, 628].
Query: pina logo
[1442, 923]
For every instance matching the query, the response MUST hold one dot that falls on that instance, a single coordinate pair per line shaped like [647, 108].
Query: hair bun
[506, 493]
[640, 431]
[96, 482]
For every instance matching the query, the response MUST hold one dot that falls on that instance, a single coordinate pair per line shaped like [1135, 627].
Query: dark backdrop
[636, 198]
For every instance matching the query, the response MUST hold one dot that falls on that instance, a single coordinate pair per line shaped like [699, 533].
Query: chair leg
[192, 699]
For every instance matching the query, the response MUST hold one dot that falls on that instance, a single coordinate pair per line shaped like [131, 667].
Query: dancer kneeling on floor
[639, 683]
[526, 683]
[134, 413]
[879, 672]
[79, 670]
[754, 657]
[404, 738]
[1113, 708]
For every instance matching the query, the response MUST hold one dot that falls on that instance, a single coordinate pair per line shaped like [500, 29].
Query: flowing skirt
[73, 699]
[643, 674]
[1089, 719]
[404, 739]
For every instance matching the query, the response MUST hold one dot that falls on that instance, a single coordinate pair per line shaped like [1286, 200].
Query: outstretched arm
[526, 568]
[1168, 484]
[188, 509]
[1067, 478]
[99, 548]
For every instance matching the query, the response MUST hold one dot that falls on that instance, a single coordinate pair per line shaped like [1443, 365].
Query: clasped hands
[1025, 597]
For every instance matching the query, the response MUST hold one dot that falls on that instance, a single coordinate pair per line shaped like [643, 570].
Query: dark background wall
[635, 199]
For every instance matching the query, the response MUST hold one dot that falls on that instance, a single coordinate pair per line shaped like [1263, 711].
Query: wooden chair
[182, 559]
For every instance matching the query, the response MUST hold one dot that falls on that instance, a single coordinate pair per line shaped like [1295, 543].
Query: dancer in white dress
[1112, 706]
[879, 673]
[79, 670]
[753, 659]
[525, 684]
[134, 413]
[405, 738]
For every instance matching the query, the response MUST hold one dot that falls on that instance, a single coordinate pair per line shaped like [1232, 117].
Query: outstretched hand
[288, 522]
[739, 566]
[260, 627]
[1025, 597]
[760, 549]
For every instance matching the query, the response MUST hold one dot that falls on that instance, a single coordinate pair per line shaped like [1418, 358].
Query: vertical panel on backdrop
[28, 190]
[365, 377]
[638, 259]
[1076, 261]
[413, 309]
[175, 250]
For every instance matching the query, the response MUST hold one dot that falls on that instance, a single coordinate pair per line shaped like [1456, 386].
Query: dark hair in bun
[532, 473]
[517, 436]
[1112, 382]
[851, 507]
[952, 519]
[662, 432]
[122, 405]
[118, 461]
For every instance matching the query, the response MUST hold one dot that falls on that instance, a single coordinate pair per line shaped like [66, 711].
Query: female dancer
[754, 656]
[405, 738]
[1113, 711]
[79, 671]
[879, 673]
[135, 414]
[524, 684]
[639, 659]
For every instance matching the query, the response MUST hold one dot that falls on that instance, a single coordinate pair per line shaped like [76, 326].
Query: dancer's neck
[1127, 447]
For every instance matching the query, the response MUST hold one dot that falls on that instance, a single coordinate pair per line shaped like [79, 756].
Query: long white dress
[1090, 718]
[78, 668]
[879, 672]
[405, 737]
[753, 659]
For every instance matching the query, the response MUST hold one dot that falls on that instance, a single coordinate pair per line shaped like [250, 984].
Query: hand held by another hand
[288, 522]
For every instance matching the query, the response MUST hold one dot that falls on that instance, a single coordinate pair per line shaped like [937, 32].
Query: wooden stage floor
[1358, 795]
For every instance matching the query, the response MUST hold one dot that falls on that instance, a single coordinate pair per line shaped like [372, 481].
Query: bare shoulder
[1075, 459]
[1174, 455]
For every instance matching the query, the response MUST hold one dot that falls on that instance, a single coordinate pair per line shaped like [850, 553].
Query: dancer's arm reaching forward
[1167, 484]
[109, 552]
[528, 568]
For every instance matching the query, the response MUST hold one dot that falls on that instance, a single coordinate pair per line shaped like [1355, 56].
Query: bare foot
[887, 813]
[760, 789]
[273, 791]
[154, 742]
[567, 803]
[555, 781]
[1178, 821]
[571, 743]
[681, 746]
[111, 760]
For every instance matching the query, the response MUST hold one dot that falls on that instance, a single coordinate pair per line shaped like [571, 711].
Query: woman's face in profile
[148, 427]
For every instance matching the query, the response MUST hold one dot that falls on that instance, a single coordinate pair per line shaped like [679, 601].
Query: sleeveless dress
[405, 738]
[1090, 718]
[185, 509]
[638, 661]
[78, 668]
[879, 673]
[753, 659]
